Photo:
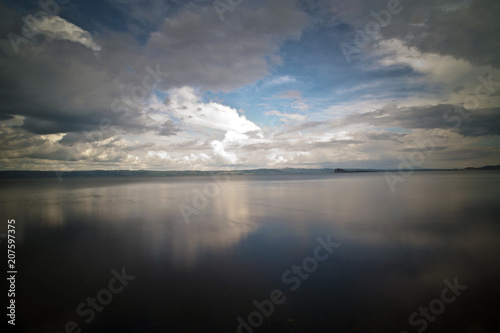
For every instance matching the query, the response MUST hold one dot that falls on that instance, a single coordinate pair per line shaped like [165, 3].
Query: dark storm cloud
[12, 138]
[464, 29]
[469, 33]
[466, 155]
[9, 19]
[5, 117]
[482, 122]
[479, 122]
[144, 16]
[60, 87]
[224, 55]
[61, 125]
[425, 118]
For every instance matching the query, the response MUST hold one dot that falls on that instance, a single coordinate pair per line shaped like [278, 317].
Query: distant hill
[16, 174]
[488, 167]
[147, 173]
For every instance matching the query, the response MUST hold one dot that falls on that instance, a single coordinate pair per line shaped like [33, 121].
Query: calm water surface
[242, 242]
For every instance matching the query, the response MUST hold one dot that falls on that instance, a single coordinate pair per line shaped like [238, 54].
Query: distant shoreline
[15, 174]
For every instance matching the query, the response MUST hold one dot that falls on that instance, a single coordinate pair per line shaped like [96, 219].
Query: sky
[240, 84]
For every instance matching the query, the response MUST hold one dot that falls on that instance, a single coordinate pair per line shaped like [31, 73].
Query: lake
[308, 253]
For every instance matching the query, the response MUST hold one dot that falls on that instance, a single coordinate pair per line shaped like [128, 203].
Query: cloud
[57, 28]
[287, 116]
[416, 150]
[480, 122]
[458, 89]
[220, 151]
[334, 143]
[5, 117]
[456, 6]
[168, 128]
[66, 89]
[460, 29]
[63, 85]
[300, 104]
[186, 105]
[72, 138]
[279, 80]
[200, 50]
[385, 136]
[436, 69]
[290, 94]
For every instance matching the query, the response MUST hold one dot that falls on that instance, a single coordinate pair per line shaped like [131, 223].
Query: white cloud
[160, 154]
[436, 67]
[441, 73]
[220, 151]
[232, 136]
[287, 116]
[280, 80]
[186, 105]
[57, 28]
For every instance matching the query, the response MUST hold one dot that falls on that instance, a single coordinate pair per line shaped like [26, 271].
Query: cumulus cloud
[190, 44]
[220, 150]
[187, 106]
[170, 86]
